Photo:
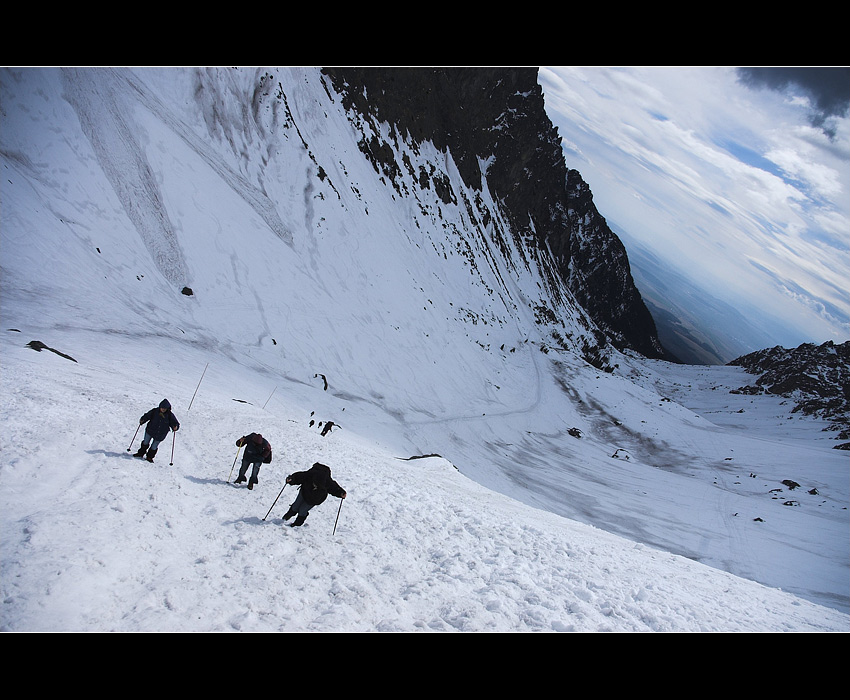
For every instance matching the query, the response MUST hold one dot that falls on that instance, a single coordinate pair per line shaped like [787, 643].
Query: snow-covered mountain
[494, 125]
[251, 245]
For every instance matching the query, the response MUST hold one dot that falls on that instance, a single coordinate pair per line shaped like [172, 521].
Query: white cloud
[709, 174]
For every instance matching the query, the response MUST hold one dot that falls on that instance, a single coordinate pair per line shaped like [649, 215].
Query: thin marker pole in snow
[134, 438]
[173, 440]
[275, 501]
[270, 397]
[197, 387]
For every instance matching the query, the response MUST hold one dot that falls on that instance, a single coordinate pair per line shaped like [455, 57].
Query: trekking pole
[234, 463]
[134, 438]
[173, 440]
[337, 516]
[275, 501]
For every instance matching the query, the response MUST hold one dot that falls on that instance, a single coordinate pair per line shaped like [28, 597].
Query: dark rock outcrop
[38, 346]
[815, 377]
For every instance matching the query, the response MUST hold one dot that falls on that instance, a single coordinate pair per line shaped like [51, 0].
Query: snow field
[95, 540]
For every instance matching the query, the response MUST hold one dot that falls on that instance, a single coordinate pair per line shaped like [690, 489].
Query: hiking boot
[142, 450]
[240, 480]
[299, 520]
[289, 514]
[150, 455]
[251, 483]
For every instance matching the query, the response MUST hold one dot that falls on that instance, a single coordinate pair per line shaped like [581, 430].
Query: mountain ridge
[497, 117]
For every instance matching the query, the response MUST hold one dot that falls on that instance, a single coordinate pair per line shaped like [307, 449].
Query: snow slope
[95, 540]
[563, 499]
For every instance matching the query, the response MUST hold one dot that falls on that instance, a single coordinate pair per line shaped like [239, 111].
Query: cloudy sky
[741, 179]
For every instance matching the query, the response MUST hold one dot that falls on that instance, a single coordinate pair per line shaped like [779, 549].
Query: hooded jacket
[159, 422]
[316, 483]
[257, 448]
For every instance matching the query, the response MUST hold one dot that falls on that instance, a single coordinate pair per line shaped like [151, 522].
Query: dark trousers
[300, 506]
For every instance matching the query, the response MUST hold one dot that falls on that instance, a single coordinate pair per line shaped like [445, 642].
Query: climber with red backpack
[257, 451]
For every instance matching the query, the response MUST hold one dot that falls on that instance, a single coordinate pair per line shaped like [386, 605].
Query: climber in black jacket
[316, 483]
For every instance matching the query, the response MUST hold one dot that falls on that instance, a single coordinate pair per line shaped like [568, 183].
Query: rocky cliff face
[494, 124]
[815, 377]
